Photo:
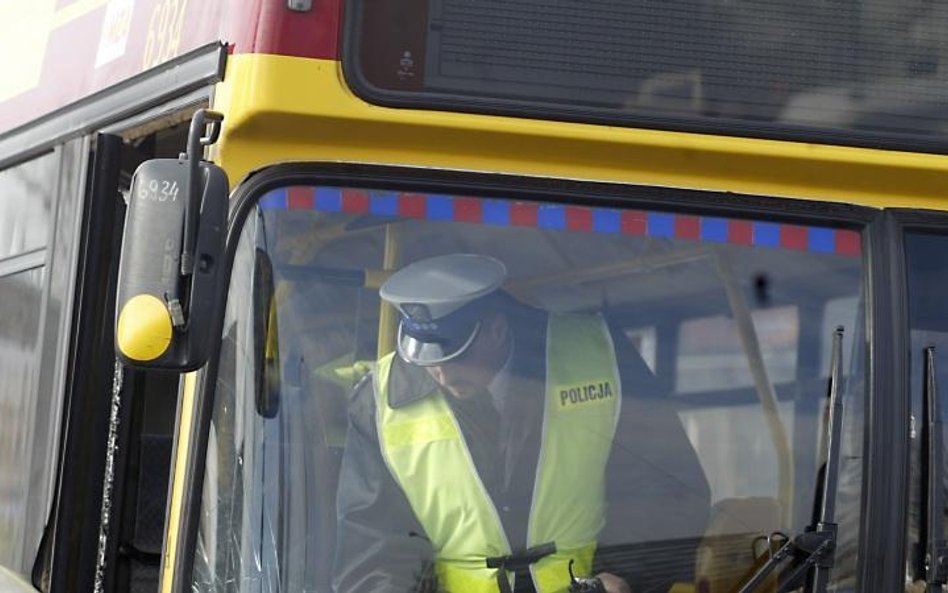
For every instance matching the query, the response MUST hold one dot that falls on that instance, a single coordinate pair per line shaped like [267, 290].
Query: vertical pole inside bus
[391, 259]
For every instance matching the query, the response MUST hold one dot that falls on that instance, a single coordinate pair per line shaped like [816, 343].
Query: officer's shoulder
[408, 383]
[361, 403]
[362, 385]
[361, 396]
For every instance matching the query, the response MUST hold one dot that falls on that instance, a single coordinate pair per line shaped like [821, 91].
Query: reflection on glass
[712, 344]
[26, 192]
[928, 320]
[20, 298]
[852, 65]
[700, 433]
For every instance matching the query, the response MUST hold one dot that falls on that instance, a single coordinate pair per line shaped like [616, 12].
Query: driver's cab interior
[738, 333]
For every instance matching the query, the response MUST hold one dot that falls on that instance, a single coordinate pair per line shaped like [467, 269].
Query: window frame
[879, 490]
[902, 222]
[740, 128]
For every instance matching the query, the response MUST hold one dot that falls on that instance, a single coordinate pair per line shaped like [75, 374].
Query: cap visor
[434, 351]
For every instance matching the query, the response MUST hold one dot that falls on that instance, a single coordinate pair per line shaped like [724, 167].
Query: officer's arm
[380, 545]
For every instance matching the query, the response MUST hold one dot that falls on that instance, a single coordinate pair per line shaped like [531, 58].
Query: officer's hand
[613, 584]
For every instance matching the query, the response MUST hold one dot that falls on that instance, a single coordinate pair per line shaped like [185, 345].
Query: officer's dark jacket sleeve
[380, 545]
[658, 496]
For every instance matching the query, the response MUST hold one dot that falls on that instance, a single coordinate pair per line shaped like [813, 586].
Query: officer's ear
[498, 329]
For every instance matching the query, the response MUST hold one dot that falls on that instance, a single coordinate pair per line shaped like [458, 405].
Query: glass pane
[335, 465]
[711, 354]
[20, 298]
[927, 265]
[872, 66]
[26, 197]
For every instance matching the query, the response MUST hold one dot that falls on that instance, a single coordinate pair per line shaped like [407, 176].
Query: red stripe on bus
[848, 243]
[467, 210]
[270, 27]
[579, 218]
[687, 227]
[740, 232]
[793, 237]
[355, 201]
[300, 198]
[413, 205]
[634, 222]
[524, 214]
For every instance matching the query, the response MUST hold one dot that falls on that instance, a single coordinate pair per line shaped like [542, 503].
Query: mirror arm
[194, 155]
[195, 152]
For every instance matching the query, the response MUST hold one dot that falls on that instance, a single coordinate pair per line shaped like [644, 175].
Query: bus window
[304, 490]
[713, 364]
[842, 310]
[926, 266]
[26, 196]
[854, 72]
[710, 354]
[644, 339]
[19, 324]
[25, 206]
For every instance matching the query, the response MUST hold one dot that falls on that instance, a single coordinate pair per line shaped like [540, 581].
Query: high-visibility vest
[426, 453]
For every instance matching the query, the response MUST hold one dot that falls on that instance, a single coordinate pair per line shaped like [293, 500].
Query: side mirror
[172, 253]
[266, 342]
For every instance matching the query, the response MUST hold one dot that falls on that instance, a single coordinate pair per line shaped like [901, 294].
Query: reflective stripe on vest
[426, 453]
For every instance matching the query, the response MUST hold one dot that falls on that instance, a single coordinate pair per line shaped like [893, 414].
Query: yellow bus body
[281, 109]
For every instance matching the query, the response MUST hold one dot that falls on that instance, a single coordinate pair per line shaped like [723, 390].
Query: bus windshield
[335, 463]
[846, 72]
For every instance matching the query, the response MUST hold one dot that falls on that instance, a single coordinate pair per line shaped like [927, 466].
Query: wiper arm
[813, 550]
[827, 519]
[933, 535]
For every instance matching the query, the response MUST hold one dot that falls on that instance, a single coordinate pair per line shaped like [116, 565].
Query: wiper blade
[826, 522]
[933, 526]
[813, 550]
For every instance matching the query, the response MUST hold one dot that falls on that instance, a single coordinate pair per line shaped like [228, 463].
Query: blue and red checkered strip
[442, 207]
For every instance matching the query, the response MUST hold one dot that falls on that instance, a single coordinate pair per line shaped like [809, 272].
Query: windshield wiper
[933, 527]
[813, 550]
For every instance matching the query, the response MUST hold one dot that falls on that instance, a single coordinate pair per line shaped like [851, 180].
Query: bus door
[104, 526]
[143, 405]
[30, 193]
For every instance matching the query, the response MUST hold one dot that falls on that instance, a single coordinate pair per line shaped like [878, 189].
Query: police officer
[480, 456]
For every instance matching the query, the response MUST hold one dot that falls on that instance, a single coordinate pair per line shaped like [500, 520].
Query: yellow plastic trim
[180, 464]
[144, 328]
[280, 108]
